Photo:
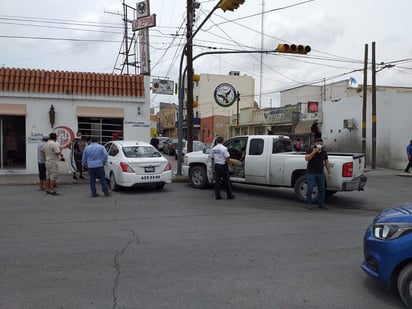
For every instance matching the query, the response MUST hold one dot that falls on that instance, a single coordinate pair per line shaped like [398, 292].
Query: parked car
[387, 249]
[132, 163]
[162, 139]
[197, 146]
[170, 146]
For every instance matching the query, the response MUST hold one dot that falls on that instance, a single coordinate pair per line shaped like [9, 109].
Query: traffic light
[195, 103]
[230, 5]
[196, 77]
[293, 49]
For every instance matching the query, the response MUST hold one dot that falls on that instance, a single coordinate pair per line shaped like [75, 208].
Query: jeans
[222, 174]
[319, 180]
[408, 167]
[94, 173]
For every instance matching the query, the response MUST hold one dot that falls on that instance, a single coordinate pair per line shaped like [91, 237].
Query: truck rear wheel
[198, 177]
[301, 186]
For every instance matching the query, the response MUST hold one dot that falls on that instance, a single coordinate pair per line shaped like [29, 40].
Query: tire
[159, 187]
[112, 183]
[404, 284]
[330, 192]
[198, 177]
[300, 190]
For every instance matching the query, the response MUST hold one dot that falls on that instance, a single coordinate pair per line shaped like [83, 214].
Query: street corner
[404, 174]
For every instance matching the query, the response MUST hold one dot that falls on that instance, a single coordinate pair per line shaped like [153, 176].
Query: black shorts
[42, 171]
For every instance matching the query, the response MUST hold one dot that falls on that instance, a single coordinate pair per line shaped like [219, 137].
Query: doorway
[13, 142]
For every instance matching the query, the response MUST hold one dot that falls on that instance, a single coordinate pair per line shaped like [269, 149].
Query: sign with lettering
[144, 22]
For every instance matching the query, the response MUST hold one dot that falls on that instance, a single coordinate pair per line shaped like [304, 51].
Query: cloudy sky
[86, 36]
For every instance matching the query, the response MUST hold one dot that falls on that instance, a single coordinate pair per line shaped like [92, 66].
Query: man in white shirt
[222, 164]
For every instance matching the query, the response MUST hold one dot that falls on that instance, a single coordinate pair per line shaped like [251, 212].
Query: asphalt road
[180, 248]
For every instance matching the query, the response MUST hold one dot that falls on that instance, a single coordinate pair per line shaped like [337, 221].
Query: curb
[33, 179]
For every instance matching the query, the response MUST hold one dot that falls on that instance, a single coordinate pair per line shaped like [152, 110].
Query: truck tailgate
[358, 161]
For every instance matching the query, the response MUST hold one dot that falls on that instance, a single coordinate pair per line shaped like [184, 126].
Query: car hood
[400, 213]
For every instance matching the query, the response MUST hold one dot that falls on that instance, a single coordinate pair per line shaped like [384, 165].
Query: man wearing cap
[41, 161]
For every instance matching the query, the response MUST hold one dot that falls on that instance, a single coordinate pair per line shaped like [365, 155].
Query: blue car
[387, 249]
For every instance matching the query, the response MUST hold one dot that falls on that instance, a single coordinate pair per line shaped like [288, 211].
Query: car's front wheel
[301, 186]
[405, 285]
[198, 177]
[112, 183]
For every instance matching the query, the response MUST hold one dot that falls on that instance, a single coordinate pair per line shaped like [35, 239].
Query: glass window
[140, 152]
[113, 150]
[256, 147]
[281, 145]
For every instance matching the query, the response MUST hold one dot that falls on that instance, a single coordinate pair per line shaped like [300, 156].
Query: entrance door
[13, 142]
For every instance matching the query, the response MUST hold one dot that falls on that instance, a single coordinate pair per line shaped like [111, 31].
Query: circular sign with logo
[64, 136]
[225, 94]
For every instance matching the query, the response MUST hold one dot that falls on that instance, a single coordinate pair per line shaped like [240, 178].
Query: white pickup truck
[270, 161]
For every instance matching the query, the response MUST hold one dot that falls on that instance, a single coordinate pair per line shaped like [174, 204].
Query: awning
[304, 126]
[99, 112]
[13, 109]
[281, 129]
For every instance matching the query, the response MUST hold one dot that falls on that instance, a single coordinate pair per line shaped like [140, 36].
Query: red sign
[144, 22]
[64, 136]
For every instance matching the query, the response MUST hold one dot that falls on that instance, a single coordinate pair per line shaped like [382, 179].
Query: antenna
[126, 61]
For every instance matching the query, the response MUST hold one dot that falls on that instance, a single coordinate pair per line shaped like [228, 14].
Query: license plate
[149, 169]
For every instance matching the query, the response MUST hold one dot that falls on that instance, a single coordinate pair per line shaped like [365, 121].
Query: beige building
[220, 98]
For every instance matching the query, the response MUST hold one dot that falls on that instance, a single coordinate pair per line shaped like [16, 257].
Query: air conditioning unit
[234, 73]
[349, 124]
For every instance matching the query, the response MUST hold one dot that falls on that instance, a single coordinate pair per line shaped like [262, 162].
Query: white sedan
[132, 163]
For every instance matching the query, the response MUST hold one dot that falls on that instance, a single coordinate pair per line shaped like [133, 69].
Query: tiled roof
[86, 83]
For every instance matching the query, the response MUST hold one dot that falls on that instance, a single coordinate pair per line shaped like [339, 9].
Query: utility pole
[189, 76]
[238, 114]
[364, 99]
[373, 107]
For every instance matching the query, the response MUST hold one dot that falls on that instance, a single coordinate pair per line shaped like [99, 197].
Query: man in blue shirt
[409, 154]
[94, 158]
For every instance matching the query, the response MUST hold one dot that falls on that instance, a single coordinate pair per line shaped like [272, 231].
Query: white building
[105, 106]
[342, 125]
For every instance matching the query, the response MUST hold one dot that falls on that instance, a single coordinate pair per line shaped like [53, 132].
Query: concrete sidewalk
[10, 177]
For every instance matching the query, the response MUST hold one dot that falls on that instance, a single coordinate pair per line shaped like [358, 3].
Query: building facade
[220, 97]
[36, 102]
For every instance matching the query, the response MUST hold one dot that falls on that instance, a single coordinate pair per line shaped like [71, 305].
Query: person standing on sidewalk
[41, 162]
[94, 158]
[409, 154]
[78, 146]
[222, 165]
[317, 159]
[53, 153]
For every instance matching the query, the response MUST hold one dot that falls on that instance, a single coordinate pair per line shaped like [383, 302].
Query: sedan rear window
[140, 152]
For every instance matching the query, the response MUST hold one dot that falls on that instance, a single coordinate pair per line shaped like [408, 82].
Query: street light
[187, 49]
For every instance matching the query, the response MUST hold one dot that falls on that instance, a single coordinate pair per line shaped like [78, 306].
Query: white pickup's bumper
[356, 184]
[185, 170]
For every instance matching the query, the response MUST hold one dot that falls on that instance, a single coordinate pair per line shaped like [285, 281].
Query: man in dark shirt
[317, 159]
[155, 142]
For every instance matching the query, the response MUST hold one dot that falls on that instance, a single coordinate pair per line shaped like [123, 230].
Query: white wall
[393, 126]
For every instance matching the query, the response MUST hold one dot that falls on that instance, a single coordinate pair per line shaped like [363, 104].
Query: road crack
[116, 265]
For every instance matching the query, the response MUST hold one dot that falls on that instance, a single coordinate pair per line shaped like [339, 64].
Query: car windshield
[197, 146]
[140, 152]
